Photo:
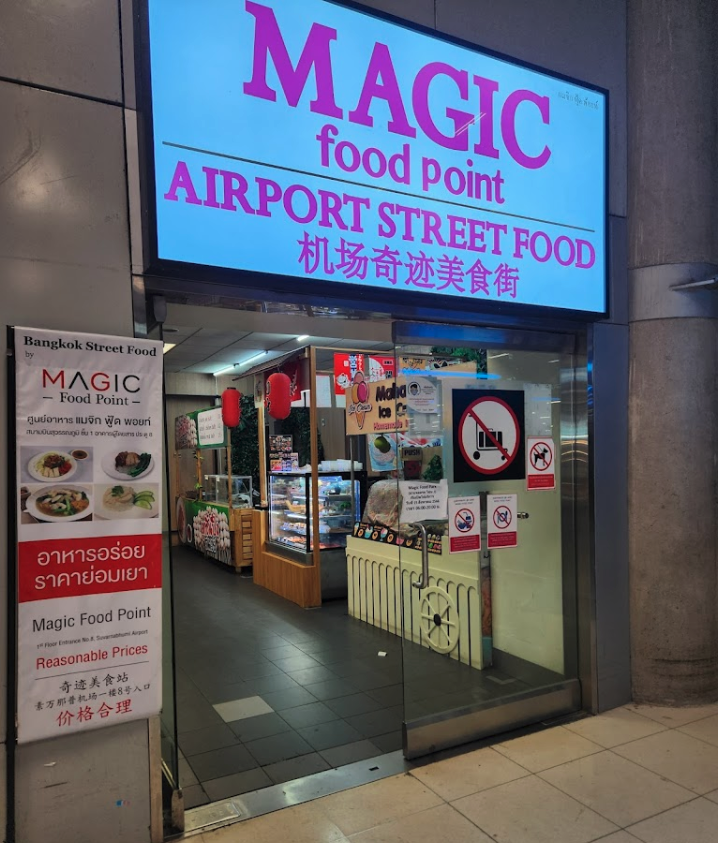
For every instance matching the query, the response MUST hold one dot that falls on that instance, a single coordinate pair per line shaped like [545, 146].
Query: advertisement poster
[89, 444]
[384, 535]
[378, 407]
[382, 449]
[501, 521]
[281, 456]
[373, 368]
[205, 527]
[488, 427]
[540, 464]
[464, 524]
[405, 162]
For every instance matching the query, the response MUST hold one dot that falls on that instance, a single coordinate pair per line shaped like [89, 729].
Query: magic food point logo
[77, 387]
[360, 404]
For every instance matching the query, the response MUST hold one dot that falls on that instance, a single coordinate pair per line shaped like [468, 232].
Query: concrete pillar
[673, 239]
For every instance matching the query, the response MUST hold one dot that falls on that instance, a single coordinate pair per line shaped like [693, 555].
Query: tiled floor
[268, 692]
[634, 774]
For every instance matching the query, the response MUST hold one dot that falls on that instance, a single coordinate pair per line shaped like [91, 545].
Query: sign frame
[344, 294]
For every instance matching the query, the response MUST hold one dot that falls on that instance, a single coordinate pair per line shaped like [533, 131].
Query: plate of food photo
[127, 465]
[63, 502]
[52, 466]
[129, 501]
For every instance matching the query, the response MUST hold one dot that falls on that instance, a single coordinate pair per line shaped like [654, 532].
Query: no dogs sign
[488, 435]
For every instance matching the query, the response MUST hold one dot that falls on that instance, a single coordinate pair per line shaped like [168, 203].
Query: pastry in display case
[290, 510]
[215, 489]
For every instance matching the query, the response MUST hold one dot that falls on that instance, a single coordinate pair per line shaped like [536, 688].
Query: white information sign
[210, 427]
[464, 524]
[423, 501]
[501, 521]
[421, 395]
[89, 555]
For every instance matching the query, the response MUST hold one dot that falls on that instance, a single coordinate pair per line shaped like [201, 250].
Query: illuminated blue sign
[309, 139]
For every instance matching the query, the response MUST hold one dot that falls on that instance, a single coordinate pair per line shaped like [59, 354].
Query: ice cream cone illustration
[360, 393]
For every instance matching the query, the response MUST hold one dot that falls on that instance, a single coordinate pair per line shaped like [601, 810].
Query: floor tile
[530, 811]
[264, 726]
[619, 790]
[388, 696]
[302, 824]
[295, 663]
[442, 823]
[240, 709]
[194, 796]
[337, 756]
[391, 742]
[256, 671]
[265, 684]
[332, 690]
[187, 777]
[712, 796]
[673, 717]
[278, 748]
[288, 698]
[696, 822]
[546, 749]
[286, 652]
[618, 837]
[353, 705]
[615, 727]
[326, 735]
[221, 762]
[312, 675]
[196, 717]
[705, 730]
[296, 768]
[468, 773]
[377, 722]
[228, 692]
[374, 679]
[236, 784]
[308, 715]
[678, 757]
[380, 802]
[205, 740]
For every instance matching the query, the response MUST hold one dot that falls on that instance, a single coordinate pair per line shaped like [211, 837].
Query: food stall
[213, 508]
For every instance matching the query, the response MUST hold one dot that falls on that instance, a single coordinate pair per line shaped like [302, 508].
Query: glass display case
[215, 488]
[290, 510]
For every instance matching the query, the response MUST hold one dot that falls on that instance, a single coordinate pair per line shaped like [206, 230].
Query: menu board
[201, 429]
[88, 497]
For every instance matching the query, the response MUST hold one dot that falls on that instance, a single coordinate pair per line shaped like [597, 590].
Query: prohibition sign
[464, 520]
[489, 435]
[541, 456]
[502, 517]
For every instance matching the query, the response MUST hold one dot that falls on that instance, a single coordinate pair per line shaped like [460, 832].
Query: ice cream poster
[382, 448]
[378, 407]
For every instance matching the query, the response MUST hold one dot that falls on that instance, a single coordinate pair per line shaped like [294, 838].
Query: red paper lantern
[278, 399]
[231, 408]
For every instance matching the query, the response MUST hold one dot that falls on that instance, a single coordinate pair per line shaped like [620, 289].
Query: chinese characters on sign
[88, 502]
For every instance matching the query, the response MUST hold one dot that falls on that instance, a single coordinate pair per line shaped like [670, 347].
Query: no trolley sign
[488, 428]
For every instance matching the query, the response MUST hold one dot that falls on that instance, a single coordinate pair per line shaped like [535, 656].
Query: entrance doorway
[414, 645]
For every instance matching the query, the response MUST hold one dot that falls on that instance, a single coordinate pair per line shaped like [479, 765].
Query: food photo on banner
[88, 499]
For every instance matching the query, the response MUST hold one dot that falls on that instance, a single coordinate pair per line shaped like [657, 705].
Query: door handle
[423, 580]
[523, 515]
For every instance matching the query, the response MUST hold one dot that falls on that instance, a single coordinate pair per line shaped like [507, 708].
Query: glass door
[487, 425]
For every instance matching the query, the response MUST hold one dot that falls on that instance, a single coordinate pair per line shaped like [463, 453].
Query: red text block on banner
[74, 567]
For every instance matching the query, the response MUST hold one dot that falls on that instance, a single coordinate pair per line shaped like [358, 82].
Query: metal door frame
[447, 729]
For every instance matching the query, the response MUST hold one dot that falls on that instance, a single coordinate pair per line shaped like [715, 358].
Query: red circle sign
[489, 435]
[502, 517]
[541, 453]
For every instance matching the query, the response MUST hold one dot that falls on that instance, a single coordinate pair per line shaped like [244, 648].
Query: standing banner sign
[501, 520]
[464, 524]
[88, 500]
[540, 464]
